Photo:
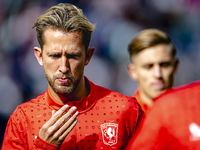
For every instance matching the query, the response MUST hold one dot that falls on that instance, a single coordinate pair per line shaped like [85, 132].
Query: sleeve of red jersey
[15, 136]
[40, 144]
[152, 132]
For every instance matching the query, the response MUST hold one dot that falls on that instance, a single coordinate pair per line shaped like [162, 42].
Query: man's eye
[165, 64]
[148, 66]
[73, 56]
[55, 55]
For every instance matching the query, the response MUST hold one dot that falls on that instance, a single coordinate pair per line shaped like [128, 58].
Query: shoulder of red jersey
[114, 93]
[104, 92]
[181, 92]
[38, 99]
[35, 101]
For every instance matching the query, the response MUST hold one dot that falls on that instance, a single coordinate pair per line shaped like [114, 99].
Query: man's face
[63, 60]
[154, 68]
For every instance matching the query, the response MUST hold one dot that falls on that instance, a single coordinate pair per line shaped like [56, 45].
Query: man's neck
[146, 99]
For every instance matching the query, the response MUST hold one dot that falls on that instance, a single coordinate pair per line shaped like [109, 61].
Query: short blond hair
[149, 38]
[66, 17]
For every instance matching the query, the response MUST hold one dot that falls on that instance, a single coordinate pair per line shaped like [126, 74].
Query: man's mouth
[63, 80]
[159, 85]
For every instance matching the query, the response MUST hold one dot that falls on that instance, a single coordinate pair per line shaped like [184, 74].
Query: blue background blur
[117, 22]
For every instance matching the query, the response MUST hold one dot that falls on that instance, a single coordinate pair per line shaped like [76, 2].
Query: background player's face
[63, 60]
[154, 68]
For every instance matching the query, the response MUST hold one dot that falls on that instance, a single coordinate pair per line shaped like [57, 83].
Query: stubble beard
[68, 88]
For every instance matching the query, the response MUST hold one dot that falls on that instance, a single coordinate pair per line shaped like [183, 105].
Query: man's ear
[176, 65]
[89, 54]
[38, 55]
[132, 71]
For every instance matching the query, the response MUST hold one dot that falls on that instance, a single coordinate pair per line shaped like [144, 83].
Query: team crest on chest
[109, 133]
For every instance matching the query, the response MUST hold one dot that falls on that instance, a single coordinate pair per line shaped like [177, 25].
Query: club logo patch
[109, 133]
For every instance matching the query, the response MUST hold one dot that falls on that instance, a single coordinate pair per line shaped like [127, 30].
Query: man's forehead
[152, 58]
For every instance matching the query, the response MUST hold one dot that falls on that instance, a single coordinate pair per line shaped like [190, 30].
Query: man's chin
[63, 90]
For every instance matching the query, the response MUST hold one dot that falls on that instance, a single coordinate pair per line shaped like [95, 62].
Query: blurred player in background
[173, 123]
[153, 64]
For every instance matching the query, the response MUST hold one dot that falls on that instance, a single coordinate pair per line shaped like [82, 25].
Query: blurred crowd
[117, 23]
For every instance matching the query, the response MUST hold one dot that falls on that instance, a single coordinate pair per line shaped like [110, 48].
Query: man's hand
[59, 125]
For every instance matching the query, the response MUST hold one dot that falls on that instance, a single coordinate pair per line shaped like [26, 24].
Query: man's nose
[157, 72]
[64, 64]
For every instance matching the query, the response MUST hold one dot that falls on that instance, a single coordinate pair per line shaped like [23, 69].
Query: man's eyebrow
[53, 52]
[73, 53]
[148, 63]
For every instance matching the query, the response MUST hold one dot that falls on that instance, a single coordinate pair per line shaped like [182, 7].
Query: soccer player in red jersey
[153, 64]
[173, 123]
[73, 113]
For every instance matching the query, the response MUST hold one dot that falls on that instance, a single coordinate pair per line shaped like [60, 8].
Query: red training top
[173, 122]
[144, 106]
[106, 120]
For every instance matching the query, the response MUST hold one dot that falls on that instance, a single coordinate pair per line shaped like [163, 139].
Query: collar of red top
[144, 106]
[82, 105]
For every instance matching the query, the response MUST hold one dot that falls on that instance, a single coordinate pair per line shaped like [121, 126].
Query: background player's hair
[148, 38]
